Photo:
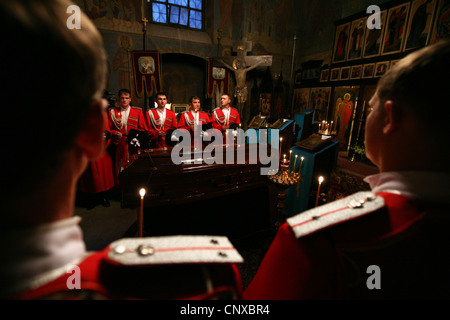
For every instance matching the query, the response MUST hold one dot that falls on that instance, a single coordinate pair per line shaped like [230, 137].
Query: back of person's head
[50, 76]
[421, 81]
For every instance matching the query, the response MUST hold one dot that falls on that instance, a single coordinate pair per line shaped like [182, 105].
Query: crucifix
[240, 65]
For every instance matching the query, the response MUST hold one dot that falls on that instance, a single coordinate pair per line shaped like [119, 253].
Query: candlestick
[300, 169]
[281, 143]
[141, 212]
[293, 169]
[318, 190]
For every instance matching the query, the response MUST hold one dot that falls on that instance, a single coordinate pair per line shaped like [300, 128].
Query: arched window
[178, 13]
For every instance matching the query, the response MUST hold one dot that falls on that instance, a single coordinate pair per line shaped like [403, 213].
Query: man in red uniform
[190, 120]
[194, 116]
[42, 252]
[159, 121]
[391, 242]
[122, 119]
[226, 117]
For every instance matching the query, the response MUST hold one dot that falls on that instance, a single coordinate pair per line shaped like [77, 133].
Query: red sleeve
[174, 121]
[292, 270]
[151, 132]
[215, 125]
[238, 119]
[182, 123]
[142, 125]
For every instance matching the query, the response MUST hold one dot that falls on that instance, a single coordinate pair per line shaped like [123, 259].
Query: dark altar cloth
[217, 199]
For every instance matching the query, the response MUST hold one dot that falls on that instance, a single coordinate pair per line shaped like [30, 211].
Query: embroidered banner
[147, 74]
[217, 77]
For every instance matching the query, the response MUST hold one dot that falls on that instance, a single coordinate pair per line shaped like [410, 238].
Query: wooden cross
[144, 21]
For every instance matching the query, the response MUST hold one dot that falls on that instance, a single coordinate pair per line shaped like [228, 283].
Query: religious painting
[368, 70]
[319, 100]
[217, 79]
[218, 73]
[367, 94]
[420, 23]
[335, 73]
[256, 122]
[147, 72]
[118, 15]
[356, 44]
[265, 100]
[345, 73]
[311, 74]
[341, 41]
[301, 98]
[324, 75]
[441, 28]
[344, 103]
[356, 72]
[374, 37]
[179, 108]
[381, 68]
[394, 35]
[363, 110]
[146, 65]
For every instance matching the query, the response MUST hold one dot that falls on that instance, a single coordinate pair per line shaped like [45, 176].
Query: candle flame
[303, 158]
[142, 192]
[320, 179]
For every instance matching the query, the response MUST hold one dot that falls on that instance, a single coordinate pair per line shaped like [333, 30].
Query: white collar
[33, 256]
[422, 185]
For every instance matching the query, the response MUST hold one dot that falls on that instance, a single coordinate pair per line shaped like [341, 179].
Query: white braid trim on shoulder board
[173, 250]
[348, 208]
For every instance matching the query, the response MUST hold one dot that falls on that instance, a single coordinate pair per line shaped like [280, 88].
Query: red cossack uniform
[124, 155]
[161, 268]
[219, 120]
[367, 245]
[99, 174]
[187, 119]
[155, 126]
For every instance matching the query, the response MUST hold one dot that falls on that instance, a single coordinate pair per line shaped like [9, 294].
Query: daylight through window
[186, 13]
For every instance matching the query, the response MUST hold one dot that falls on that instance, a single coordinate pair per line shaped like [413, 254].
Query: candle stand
[283, 179]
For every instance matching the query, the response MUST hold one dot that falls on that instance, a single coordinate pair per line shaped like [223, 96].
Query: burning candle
[141, 212]
[318, 190]
[295, 162]
[284, 158]
[281, 143]
[290, 155]
[301, 162]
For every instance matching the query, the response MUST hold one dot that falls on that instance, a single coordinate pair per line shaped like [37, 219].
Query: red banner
[147, 73]
[217, 77]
